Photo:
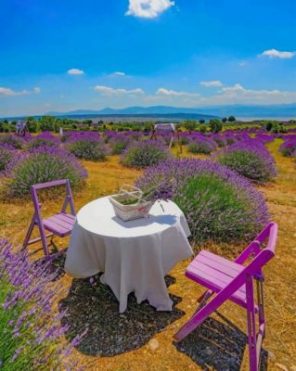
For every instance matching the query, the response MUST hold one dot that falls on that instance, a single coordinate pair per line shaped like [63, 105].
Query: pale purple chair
[60, 224]
[234, 281]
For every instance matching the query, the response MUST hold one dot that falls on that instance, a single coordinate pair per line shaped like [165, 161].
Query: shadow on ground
[218, 345]
[93, 307]
[54, 265]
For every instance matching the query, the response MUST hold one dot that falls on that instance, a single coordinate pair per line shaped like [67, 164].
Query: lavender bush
[45, 164]
[46, 138]
[184, 138]
[218, 204]
[9, 158]
[74, 136]
[201, 144]
[288, 147]
[250, 159]
[219, 139]
[263, 137]
[145, 153]
[119, 143]
[86, 145]
[6, 157]
[88, 150]
[31, 334]
[12, 140]
[230, 137]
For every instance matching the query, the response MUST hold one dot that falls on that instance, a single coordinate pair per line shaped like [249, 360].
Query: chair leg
[203, 299]
[251, 325]
[29, 233]
[203, 313]
[260, 300]
[43, 238]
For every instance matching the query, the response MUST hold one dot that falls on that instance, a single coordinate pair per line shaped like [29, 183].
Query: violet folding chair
[234, 280]
[60, 224]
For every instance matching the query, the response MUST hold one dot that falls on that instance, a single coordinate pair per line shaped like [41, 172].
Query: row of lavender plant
[136, 150]
[219, 204]
[288, 147]
[32, 336]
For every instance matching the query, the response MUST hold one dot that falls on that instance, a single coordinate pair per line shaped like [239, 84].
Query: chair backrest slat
[269, 234]
[272, 237]
[254, 268]
[53, 183]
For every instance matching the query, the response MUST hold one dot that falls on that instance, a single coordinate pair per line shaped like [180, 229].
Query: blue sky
[65, 55]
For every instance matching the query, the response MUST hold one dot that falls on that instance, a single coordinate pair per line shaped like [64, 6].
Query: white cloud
[106, 90]
[235, 94]
[238, 94]
[148, 8]
[11, 93]
[118, 73]
[36, 90]
[233, 89]
[174, 93]
[274, 53]
[75, 71]
[211, 84]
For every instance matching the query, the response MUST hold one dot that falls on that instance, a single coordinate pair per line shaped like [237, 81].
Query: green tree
[87, 122]
[47, 123]
[202, 128]
[189, 125]
[269, 125]
[278, 128]
[224, 120]
[201, 121]
[32, 124]
[215, 125]
[231, 119]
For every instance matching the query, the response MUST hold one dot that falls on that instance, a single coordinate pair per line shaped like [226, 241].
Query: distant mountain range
[138, 112]
[281, 110]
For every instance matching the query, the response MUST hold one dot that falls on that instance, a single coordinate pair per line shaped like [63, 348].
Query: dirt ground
[141, 338]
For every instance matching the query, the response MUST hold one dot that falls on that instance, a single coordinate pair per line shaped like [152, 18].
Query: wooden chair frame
[247, 275]
[60, 224]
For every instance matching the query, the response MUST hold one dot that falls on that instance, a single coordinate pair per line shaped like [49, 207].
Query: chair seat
[60, 224]
[215, 272]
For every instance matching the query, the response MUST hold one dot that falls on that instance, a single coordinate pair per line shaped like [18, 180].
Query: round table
[135, 255]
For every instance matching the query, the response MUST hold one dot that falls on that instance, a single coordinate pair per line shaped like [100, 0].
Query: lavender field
[229, 183]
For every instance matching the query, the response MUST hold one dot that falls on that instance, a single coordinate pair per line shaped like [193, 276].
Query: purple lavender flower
[201, 144]
[288, 147]
[45, 138]
[9, 158]
[33, 335]
[74, 136]
[119, 142]
[248, 158]
[144, 153]
[45, 164]
[12, 140]
[218, 204]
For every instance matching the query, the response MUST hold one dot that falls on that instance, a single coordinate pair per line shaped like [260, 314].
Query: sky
[66, 55]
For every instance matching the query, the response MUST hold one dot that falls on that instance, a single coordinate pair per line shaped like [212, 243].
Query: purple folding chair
[60, 224]
[234, 281]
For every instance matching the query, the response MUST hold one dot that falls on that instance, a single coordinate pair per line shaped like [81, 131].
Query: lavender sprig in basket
[131, 203]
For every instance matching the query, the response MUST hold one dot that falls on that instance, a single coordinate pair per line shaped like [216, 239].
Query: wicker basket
[138, 209]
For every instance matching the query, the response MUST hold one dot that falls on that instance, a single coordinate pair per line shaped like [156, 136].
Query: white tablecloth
[134, 256]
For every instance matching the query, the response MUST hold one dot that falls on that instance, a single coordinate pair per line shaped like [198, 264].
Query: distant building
[166, 126]
[21, 128]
